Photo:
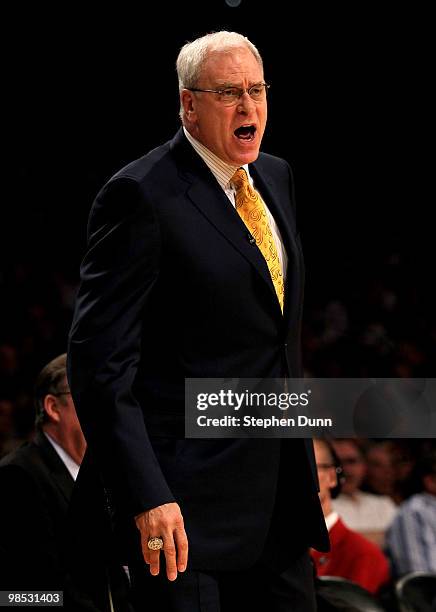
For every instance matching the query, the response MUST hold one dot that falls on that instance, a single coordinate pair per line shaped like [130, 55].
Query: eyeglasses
[231, 95]
[328, 466]
[61, 393]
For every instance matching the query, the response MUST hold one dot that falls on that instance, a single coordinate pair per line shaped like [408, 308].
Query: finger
[145, 550]
[169, 550]
[154, 561]
[182, 546]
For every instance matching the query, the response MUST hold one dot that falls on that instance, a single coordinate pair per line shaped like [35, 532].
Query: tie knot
[240, 179]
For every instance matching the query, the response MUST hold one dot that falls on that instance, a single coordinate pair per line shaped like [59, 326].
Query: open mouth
[245, 132]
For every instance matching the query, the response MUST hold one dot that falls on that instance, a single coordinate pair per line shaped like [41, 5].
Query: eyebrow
[238, 86]
[227, 84]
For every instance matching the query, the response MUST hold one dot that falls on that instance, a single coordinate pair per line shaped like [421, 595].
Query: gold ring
[155, 543]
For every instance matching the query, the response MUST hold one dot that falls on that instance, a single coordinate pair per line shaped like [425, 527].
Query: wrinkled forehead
[231, 64]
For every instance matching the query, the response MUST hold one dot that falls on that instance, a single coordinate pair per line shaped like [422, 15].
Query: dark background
[348, 108]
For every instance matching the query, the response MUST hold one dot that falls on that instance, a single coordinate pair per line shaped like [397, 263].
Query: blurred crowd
[372, 317]
[35, 311]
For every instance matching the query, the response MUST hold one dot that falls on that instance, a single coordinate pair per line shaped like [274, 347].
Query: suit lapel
[207, 195]
[279, 206]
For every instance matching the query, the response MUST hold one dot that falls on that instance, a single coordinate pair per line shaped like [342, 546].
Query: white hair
[193, 55]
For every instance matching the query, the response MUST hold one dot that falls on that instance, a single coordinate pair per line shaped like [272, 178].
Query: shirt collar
[331, 520]
[67, 460]
[221, 170]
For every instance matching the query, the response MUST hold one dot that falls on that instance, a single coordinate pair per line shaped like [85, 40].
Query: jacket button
[251, 239]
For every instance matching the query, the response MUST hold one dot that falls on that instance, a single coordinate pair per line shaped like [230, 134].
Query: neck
[73, 445]
[326, 506]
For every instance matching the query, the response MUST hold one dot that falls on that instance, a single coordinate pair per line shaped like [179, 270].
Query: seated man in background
[366, 513]
[36, 482]
[411, 539]
[351, 555]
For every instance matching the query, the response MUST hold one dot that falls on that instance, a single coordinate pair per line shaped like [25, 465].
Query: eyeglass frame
[241, 90]
[327, 466]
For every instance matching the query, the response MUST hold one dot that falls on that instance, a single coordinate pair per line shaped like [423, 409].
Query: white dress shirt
[365, 511]
[331, 519]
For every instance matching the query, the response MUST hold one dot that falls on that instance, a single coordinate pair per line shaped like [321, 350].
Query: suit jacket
[172, 287]
[36, 488]
[353, 557]
[36, 493]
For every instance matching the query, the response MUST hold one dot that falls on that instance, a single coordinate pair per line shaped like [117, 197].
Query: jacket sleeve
[118, 275]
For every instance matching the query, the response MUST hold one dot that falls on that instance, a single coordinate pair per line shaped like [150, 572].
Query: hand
[165, 522]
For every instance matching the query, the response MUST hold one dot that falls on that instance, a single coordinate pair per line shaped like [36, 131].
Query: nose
[245, 103]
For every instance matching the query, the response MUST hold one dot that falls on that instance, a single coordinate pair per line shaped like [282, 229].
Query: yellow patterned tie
[252, 211]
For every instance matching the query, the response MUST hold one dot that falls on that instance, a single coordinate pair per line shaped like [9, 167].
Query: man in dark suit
[194, 269]
[36, 482]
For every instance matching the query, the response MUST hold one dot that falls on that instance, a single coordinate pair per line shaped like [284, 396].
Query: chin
[248, 157]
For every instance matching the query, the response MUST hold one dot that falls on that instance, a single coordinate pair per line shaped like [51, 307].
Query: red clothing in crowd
[353, 557]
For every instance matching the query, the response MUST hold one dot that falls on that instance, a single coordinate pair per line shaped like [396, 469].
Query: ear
[52, 408]
[188, 102]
